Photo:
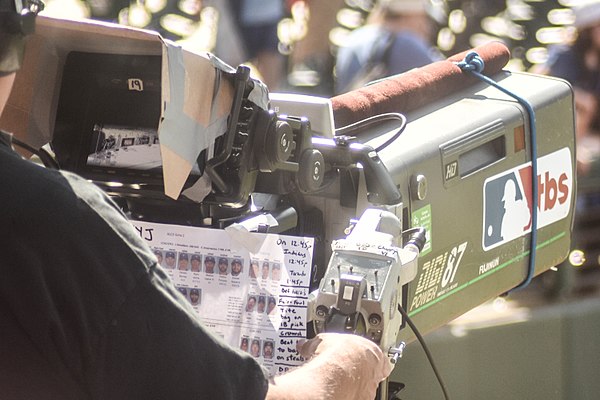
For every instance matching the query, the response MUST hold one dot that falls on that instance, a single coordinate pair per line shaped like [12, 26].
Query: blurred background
[537, 343]
[310, 32]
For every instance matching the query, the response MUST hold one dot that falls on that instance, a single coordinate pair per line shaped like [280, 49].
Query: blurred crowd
[329, 47]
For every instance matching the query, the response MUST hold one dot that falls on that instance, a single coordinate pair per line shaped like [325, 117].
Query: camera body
[459, 167]
[463, 167]
[475, 150]
[365, 280]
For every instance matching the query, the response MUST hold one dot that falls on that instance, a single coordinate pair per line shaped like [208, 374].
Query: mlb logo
[508, 203]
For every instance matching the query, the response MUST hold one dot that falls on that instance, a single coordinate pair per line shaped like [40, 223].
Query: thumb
[308, 348]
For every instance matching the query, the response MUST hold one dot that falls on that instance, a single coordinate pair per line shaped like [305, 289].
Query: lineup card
[256, 301]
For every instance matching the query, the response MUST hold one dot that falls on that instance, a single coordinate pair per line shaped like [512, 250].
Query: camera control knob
[312, 170]
[281, 145]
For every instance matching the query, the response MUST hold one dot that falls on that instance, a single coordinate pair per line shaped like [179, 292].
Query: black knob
[281, 143]
[312, 170]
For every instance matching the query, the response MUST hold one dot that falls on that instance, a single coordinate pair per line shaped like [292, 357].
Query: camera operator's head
[17, 20]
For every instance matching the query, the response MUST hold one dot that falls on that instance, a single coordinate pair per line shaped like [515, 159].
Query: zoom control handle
[345, 317]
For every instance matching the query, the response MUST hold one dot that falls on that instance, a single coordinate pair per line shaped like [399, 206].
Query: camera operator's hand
[340, 366]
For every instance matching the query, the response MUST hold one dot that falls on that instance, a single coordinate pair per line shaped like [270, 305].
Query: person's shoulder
[365, 34]
[29, 182]
[409, 50]
[409, 36]
[563, 62]
[408, 40]
[561, 53]
[58, 197]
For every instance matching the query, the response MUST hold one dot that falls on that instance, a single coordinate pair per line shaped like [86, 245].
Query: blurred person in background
[257, 22]
[395, 39]
[311, 60]
[579, 63]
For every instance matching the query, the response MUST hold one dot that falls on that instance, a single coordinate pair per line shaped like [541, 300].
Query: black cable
[365, 123]
[23, 145]
[44, 156]
[416, 236]
[425, 349]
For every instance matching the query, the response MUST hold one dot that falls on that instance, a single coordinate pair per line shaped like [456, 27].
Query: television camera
[424, 200]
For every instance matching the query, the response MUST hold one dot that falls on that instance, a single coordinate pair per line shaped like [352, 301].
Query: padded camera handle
[415, 88]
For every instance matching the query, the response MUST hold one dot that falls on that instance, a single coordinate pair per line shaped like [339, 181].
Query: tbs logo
[507, 202]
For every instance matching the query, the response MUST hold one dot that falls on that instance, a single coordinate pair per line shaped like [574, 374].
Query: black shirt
[86, 312]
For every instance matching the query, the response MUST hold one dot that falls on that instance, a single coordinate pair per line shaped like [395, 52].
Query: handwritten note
[256, 301]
